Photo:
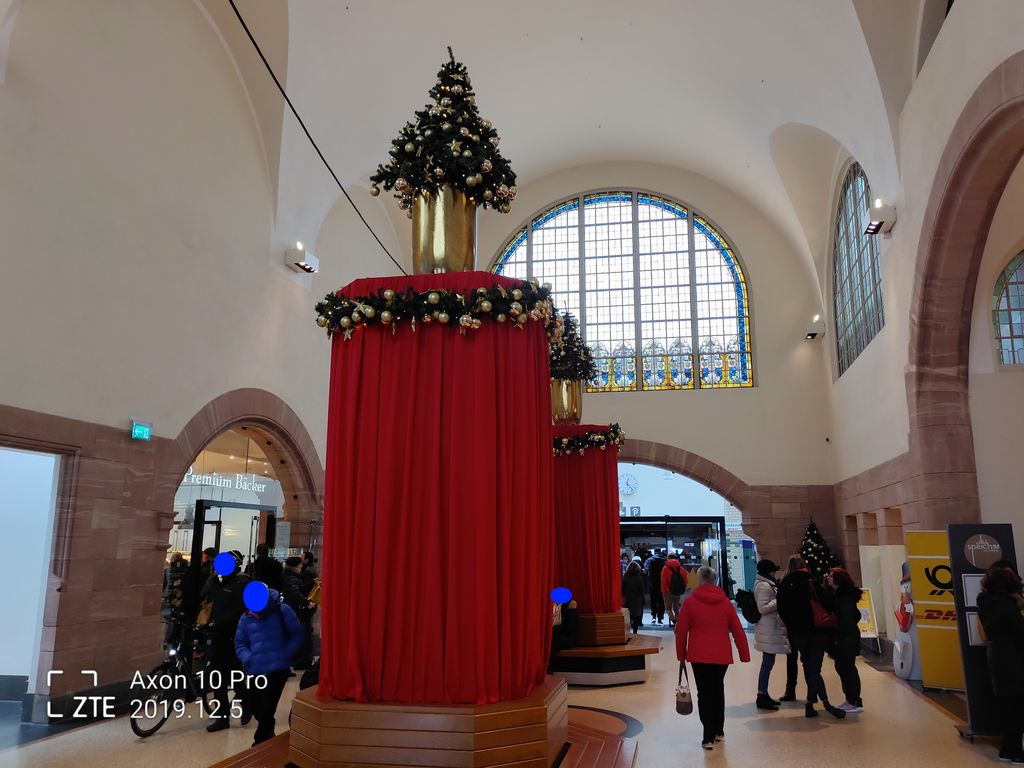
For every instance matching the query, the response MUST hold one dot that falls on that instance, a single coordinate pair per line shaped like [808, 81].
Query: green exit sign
[141, 430]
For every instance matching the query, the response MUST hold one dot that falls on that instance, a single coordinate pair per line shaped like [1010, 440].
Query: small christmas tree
[816, 553]
[571, 359]
[448, 143]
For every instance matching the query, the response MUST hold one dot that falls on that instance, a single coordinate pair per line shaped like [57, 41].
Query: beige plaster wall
[136, 213]
[997, 392]
[868, 403]
[773, 433]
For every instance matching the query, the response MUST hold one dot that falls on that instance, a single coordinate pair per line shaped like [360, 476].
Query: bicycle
[174, 683]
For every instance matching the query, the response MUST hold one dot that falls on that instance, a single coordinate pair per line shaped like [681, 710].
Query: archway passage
[776, 516]
[984, 148]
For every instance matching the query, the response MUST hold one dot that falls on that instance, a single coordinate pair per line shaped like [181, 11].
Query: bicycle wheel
[152, 710]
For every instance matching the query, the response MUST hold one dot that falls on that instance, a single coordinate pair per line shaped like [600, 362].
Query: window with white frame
[856, 275]
[661, 297]
[1008, 313]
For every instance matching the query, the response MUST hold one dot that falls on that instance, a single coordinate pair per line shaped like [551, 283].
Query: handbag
[821, 617]
[314, 593]
[684, 700]
[205, 613]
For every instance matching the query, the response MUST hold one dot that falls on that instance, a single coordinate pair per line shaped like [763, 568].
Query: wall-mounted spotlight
[881, 218]
[816, 329]
[301, 260]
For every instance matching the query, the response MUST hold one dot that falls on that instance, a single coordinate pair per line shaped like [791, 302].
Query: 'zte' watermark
[86, 707]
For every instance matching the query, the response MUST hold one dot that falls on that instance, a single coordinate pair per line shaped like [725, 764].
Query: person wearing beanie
[769, 632]
[634, 588]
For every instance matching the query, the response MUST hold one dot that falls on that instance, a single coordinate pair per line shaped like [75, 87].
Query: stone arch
[774, 515]
[283, 437]
[983, 149]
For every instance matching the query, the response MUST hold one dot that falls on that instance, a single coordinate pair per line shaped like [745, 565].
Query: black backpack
[748, 606]
[676, 582]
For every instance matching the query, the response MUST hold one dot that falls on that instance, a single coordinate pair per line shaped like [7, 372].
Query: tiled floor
[899, 728]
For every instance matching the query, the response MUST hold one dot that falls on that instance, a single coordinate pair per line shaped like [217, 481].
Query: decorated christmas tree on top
[571, 358]
[448, 143]
[816, 552]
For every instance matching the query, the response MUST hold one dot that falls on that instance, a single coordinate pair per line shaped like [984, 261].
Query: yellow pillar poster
[931, 587]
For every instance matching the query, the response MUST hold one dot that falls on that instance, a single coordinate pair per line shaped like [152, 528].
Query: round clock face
[627, 484]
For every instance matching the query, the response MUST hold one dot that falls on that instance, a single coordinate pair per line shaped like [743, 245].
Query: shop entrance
[695, 541]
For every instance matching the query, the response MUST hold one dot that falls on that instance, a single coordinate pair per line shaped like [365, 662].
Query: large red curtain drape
[587, 523]
[438, 519]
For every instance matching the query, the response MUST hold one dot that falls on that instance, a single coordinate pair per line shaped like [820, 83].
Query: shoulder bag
[684, 700]
[821, 616]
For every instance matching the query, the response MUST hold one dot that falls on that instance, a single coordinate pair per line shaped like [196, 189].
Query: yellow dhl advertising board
[867, 624]
[931, 587]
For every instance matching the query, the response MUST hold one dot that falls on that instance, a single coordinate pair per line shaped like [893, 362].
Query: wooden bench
[607, 664]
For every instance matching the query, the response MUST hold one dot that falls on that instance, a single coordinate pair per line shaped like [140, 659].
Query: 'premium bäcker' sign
[247, 482]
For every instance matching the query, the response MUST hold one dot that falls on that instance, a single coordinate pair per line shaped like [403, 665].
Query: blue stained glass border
[737, 279]
[519, 240]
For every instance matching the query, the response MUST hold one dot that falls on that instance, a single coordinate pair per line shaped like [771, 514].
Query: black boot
[810, 711]
[836, 712]
[764, 701]
[789, 695]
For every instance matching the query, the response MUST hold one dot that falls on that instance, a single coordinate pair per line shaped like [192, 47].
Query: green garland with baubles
[448, 143]
[602, 439]
[518, 304]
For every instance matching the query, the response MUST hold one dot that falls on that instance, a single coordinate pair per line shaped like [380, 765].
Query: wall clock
[627, 484]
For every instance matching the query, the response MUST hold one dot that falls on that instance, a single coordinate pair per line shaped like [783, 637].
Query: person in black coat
[796, 592]
[846, 595]
[295, 596]
[633, 591]
[1004, 628]
[225, 592]
[653, 566]
[265, 568]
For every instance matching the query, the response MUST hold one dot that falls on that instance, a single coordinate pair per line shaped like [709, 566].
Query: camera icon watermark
[86, 707]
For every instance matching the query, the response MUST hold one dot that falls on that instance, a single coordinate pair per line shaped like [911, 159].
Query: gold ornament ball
[446, 127]
[443, 318]
[500, 318]
[512, 192]
[517, 294]
[386, 317]
[410, 147]
[494, 141]
[467, 153]
[446, 102]
[505, 208]
[522, 319]
[321, 321]
[464, 131]
[515, 309]
[428, 133]
[486, 306]
[471, 181]
[439, 172]
[482, 291]
[486, 123]
[457, 89]
[479, 179]
[455, 153]
[471, 99]
[389, 295]
[476, 138]
[356, 317]
[486, 166]
[503, 190]
[433, 297]
[488, 195]
[374, 191]
[345, 322]
[370, 313]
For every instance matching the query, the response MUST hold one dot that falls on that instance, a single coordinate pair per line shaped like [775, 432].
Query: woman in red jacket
[702, 636]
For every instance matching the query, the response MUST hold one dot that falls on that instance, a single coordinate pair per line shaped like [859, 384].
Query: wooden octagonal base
[595, 629]
[523, 733]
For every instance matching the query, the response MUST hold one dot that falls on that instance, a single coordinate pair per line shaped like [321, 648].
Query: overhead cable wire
[309, 136]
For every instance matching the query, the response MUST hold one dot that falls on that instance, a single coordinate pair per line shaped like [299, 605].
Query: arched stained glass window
[856, 276]
[661, 297]
[1008, 313]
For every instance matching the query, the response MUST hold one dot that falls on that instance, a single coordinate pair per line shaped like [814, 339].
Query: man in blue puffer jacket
[266, 642]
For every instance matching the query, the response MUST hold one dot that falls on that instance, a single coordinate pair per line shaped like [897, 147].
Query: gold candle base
[566, 401]
[443, 232]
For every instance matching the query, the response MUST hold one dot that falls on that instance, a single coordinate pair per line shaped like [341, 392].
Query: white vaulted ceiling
[699, 85]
